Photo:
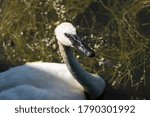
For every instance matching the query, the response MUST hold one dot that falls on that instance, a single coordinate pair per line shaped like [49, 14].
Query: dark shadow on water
[4, 67]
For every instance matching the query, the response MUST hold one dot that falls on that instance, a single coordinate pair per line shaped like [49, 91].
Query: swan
[43, 80]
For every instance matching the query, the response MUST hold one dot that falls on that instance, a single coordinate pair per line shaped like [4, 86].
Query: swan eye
[67, 35]
[72, 38]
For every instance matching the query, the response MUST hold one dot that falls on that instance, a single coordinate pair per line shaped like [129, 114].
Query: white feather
[64, 27]
[39, 81]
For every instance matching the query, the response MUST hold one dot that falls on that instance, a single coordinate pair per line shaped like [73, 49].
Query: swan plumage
[43, 80]
[38, 80]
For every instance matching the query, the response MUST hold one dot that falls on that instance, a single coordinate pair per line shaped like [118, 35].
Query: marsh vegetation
[118, 31]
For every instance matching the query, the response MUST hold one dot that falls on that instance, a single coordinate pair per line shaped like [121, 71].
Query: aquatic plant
[122, 50]
[117, 28]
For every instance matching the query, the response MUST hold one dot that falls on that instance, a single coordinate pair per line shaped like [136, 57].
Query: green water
[118, 31]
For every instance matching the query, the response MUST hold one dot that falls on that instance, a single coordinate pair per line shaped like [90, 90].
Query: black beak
[79, 45]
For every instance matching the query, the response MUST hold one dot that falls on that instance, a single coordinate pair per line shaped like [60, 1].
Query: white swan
[42, 80]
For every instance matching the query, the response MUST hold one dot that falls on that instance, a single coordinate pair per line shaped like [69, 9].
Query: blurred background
[118, 31]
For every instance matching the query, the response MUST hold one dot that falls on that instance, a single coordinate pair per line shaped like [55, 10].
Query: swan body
[42, 80]
[38, 80]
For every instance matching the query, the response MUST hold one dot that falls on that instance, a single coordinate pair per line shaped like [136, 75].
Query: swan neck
[93, 86]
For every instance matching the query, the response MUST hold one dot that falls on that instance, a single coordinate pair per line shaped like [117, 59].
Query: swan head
[66, 34]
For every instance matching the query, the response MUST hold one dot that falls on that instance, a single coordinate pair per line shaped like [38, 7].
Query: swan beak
[79, 45]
